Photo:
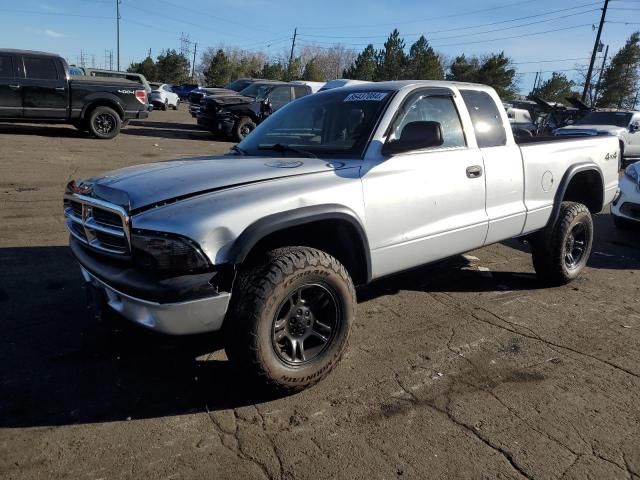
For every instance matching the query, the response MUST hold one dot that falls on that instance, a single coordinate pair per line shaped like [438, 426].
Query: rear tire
[164, 105]
[104, 123]
[290, 319]
[243, 128]
[561, 252]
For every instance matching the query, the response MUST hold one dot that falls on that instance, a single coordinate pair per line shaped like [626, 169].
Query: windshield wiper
[280, 148]
[239, 150]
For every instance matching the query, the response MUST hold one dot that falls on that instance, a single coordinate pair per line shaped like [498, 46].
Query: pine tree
[620, 81]
[218, 72]
[273, 71]
[493, 70]
[364, 67]
[463, 70]
[423, 63]
[311, 72]
[556, 89]
[147, 68]
[172, 67]
[392, 60]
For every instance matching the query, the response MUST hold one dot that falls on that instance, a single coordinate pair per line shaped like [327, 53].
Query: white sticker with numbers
[365, 97]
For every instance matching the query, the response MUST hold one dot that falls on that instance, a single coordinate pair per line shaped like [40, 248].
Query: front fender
[265, 226]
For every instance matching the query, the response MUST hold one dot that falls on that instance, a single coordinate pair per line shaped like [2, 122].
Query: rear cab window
[300, 91]
[485, 116]
[40, 68]
[6, 66]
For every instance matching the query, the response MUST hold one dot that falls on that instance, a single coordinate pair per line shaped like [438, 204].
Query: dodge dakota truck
[334, 190]
[37, 87]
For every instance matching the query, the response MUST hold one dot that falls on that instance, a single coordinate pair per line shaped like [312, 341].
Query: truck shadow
[43, 130]
[60, 366]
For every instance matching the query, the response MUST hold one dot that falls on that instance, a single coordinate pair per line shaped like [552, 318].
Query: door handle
[14, 87]
[474, 172]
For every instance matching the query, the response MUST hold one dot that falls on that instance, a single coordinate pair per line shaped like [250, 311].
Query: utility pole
[118, 33]
[604, 64]
[596, 45]
[535, 83]
[193, 65]
[149, 55]
[293, 45]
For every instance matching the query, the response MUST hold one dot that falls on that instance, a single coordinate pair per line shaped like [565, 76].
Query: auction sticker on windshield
[365, 97]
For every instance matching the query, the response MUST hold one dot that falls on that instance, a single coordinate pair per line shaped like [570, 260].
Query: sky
[538, 35]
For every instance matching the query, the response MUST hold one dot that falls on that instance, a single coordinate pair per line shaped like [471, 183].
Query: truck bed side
[551, 164]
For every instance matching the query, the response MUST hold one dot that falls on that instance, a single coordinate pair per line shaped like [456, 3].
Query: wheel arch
[581, 183]
[334, 229]
[110, 101]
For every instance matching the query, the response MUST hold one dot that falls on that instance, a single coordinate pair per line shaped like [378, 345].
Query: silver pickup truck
[338, 188]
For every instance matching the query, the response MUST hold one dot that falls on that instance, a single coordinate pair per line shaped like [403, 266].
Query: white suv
[163, 97]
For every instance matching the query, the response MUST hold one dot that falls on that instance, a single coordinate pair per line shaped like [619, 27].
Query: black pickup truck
[238, 115]
[37, 87]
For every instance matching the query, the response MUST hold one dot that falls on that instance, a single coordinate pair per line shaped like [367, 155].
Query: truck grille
[195, 98]
[98, 224]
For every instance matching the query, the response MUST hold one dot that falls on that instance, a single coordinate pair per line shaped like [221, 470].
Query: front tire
[243, 128]
[290, 319]
[561, 252]
[104, 123]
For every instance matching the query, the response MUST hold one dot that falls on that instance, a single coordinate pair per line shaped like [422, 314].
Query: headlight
[166, 253]
[632, 172]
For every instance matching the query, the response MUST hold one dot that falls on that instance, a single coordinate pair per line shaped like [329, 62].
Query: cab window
[280, 96]
[6, 66]
[40, 68]
[421, 107]
[486, 118]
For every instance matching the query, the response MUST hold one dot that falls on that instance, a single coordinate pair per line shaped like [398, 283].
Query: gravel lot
[464, 369]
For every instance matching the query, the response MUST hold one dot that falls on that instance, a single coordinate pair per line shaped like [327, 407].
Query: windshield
[619, 119]
[238, 85]
[258, 90]
[331, 124]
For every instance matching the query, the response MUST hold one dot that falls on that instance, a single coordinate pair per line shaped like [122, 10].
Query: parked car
[195, 97]
[333, 190]
[36, 86]
[625, 208]
[315, 86]
[339, 83]
[134, 77]
[185, 89]
[238, 115]
[625, 125]
[162, 96]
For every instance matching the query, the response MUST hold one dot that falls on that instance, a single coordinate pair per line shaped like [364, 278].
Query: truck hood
[227, 100]
[153, 184]
[590, 130]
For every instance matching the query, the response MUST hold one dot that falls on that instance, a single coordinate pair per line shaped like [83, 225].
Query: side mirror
[634, 127]
[415, 136]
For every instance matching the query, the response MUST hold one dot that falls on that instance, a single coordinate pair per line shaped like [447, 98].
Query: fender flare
[564, 185]
[265, 226]
[105, 98]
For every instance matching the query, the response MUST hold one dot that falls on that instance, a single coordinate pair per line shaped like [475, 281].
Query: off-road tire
[259, 293]
[95, 128]
[242, 126]
[549, 246]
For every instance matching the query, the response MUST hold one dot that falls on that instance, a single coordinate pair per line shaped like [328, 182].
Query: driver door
[428, 204]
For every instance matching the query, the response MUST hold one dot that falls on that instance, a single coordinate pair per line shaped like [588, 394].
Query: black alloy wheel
[575, 246]
[305, 324]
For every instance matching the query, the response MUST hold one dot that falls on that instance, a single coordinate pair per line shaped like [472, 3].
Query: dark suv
[238, 115]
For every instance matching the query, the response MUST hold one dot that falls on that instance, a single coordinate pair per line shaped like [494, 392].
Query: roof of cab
[400, 84]
[27, 52]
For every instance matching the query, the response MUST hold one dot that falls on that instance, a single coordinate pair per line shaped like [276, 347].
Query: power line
[469, 27]
[493, 30]
[472, 12]
[31, 12]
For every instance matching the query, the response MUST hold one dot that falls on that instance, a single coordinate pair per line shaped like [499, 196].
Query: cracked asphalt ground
[464, 369]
